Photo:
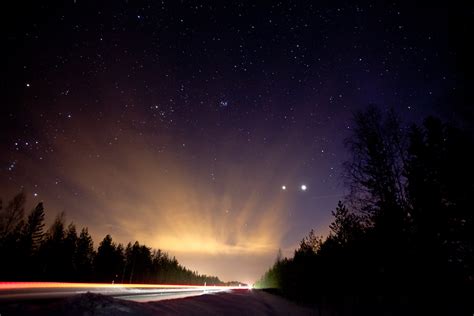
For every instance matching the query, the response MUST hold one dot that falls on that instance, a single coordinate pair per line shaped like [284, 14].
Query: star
[155, 112]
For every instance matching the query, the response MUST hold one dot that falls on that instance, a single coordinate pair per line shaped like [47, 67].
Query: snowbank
[242, 302]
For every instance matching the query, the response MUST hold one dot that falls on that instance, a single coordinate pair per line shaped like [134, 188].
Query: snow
[239, 302]
[234, 303]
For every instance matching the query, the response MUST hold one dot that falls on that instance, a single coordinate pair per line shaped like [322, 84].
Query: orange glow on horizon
[168, 203]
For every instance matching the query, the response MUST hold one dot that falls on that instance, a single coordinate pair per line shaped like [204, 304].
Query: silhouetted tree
[70, 248]
[84, 256]
[376, 178]
[33, 230]
[410, 226]
[138, 263]
[11, 225]
[279, 256]
[440, 190]
[310, 245]
[346, 226]
[375, 172]
[30, 241]
[60, 255]
[12, 215]
[54, 262]
[109, 260]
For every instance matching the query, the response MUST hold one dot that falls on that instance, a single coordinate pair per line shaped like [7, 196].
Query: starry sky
[177, 123]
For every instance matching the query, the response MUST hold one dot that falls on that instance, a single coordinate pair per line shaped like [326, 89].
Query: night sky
[176, 123]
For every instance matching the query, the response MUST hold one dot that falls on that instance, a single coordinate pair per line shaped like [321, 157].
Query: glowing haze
[133, 192]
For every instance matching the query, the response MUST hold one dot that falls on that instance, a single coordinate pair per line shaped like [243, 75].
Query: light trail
[39, 285]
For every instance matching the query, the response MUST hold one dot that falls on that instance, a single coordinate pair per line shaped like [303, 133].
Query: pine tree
[54, 263]
[109, 261]
[84, 256]
[311, 244]
[33, 230]
[70, 245]
[346, 226]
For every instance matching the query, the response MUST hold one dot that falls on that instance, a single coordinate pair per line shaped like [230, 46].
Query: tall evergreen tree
[109, 261]
[29, 243]
[33, 230]
[346, 226]
[54, 263]
[84, 256]
[138, 262]
[60, 255]
[70, 246]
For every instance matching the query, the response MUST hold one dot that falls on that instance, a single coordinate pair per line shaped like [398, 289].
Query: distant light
[223, 103]
[303, 187]
[35, 194]
[283, 187]
[27, 85]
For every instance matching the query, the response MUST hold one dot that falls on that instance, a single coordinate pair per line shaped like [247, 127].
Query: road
[21, 291]
[32, 299]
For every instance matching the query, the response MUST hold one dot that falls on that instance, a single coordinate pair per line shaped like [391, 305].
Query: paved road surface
[234, 302]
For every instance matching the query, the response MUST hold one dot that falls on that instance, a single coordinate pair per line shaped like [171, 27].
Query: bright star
[303, 187]
[283, 187]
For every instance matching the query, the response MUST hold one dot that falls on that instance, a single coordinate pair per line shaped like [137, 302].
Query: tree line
[60, 253]
[406, 229]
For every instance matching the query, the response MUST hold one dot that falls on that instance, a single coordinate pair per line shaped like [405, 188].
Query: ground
[228, 303]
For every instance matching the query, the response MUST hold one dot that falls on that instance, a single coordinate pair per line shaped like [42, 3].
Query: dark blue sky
[176, 123]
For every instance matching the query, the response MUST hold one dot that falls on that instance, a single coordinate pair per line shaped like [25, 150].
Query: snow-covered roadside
[234, 303]
[227, 303]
